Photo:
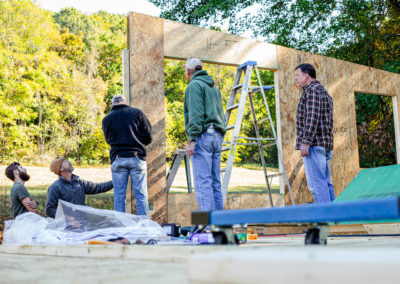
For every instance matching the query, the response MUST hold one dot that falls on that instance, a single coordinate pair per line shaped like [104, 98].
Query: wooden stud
[146, 47]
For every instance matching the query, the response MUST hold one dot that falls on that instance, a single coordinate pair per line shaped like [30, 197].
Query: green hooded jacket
[203, 106]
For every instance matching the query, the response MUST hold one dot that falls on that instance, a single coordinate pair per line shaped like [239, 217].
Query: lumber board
[395, 103]
[182, 41]
[290, 265]
[150, 253]
[146, 53]
[181, 205]
[383, 229]
[279, 229]
[125, 75]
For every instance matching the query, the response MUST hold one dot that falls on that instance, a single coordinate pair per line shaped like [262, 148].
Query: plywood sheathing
[342, 80]
[146, 47]
[182, 41]
[181, 205]
[151, 39]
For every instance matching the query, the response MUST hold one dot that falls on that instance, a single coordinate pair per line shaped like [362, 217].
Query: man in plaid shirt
[314, 124]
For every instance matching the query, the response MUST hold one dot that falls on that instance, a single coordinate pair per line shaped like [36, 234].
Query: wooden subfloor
[281, 259]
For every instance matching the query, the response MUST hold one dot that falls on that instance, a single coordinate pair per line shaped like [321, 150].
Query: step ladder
[248, 91]
[173, 170]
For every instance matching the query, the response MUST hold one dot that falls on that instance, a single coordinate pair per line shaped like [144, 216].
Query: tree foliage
[55, 72]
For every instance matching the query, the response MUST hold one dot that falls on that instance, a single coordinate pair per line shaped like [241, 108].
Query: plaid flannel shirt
[314, 118]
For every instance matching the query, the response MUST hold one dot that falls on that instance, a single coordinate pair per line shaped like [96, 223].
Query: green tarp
[373, 183]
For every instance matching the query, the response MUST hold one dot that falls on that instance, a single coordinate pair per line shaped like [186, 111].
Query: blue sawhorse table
[316, 216]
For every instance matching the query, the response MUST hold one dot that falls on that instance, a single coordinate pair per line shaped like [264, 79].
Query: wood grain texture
[342, 80]
[182, 41]
[146, 47]
[151, 39]
[181, 205]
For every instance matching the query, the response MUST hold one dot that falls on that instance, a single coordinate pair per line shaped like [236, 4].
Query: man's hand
[304, 150]
[32, 204]
[190, 148]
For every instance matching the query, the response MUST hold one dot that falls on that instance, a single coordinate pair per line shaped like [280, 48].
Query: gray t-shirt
[18, 192]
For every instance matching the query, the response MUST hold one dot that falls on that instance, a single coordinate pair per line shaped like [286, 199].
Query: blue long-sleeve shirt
[72, 191]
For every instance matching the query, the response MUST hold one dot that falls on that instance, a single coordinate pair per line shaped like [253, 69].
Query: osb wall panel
[146, 48]
[182, 41]
[341, 79]
[181, 205]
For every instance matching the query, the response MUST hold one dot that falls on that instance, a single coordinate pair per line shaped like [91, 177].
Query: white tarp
[76, 224]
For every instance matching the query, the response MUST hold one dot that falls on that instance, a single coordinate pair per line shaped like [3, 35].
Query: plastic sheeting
[76, 224]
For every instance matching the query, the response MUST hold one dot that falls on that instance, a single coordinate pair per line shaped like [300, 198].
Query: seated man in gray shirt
[21, 201]
[70, 187]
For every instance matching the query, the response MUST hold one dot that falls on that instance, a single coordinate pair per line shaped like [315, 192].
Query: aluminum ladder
[173, 170]
[247, 90]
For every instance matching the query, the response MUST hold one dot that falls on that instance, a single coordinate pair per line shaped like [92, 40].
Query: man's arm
[95, 188]
[30, 205]
[105, 130]
[312, 116]
[52, 201]
[145, 129]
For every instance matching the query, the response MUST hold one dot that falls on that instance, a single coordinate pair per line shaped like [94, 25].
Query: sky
[111, 6]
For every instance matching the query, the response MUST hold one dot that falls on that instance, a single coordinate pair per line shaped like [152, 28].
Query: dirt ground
[42, 176]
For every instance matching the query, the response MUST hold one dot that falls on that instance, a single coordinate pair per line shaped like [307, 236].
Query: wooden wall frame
[152, 39]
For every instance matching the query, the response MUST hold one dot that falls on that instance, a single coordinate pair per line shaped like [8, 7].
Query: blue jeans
[206, 162]
[121, 168]
[318, 175]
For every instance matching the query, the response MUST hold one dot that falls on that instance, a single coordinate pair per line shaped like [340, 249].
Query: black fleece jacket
[127, 130]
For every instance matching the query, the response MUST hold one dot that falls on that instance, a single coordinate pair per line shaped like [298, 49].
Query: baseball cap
[56, 165]
[117, 98]
[192, 63]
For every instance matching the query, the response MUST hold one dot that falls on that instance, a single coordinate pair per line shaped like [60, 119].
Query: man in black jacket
[70, 187]
[127, 130]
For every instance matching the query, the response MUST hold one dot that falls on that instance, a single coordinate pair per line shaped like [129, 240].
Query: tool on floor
[248, 91]
[172, 229]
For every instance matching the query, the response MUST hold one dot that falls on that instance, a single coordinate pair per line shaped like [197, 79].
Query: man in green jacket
[205, 128]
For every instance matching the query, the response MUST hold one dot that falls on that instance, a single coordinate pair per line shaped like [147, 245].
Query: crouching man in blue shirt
[70, 187]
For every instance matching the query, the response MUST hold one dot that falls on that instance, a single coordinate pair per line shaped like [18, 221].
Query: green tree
[48, 105]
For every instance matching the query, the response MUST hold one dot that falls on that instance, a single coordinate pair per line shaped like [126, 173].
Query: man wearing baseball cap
[128, 131]
[70, 187]
[205, 128]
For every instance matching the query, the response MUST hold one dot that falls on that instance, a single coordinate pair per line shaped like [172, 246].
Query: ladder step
[274, 175]
[262, 120]
[268, 145]
[258, 89]
[237, 86]
[232, 107]
[244, 65]
[229, 127]
[222, 170]
[225, 148]
[256, 139]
